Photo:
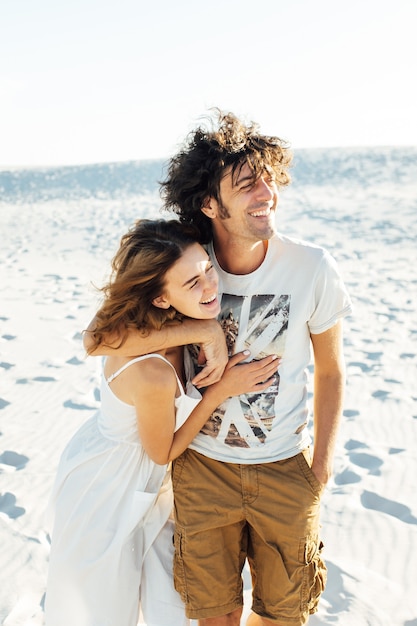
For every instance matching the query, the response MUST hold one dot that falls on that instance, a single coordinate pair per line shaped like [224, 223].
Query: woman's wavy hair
[147, 251]
[194, 174]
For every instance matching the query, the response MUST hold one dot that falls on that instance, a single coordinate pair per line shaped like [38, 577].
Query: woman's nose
[211, 282]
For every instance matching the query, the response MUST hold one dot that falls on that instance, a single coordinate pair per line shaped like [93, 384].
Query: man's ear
[210, 207]
[161, 302]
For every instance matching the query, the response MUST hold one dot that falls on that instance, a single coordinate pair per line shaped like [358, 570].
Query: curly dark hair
[194, 174]
[146, 252]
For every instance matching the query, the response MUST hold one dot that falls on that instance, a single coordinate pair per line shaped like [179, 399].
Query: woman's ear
[209, 207]
[161, 302]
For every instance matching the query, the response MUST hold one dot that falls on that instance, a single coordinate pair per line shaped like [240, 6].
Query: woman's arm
[156, 415]
[207, 333]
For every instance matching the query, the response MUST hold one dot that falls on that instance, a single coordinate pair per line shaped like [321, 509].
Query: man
[247, 487]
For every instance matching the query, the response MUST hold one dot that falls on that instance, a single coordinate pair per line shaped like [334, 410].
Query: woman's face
[191, 285]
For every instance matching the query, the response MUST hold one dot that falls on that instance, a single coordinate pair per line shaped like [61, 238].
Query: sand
[55, 246]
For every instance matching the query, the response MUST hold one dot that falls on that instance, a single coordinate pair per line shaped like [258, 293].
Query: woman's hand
[213, 356]
[239, 378]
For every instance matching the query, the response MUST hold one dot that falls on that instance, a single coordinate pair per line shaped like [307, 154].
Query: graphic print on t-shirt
[258, 323]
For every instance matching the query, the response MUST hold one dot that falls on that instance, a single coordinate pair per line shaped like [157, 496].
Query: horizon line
[14, 167]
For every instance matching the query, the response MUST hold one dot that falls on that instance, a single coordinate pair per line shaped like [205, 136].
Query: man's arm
[329, 384]
[207, 333]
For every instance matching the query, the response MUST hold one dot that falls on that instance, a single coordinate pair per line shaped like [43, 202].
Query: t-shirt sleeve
[331, 299]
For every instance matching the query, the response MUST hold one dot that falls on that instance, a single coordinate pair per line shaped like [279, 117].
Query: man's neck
[240, 259]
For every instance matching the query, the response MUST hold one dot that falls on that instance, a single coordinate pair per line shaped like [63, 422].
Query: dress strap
[141, 358]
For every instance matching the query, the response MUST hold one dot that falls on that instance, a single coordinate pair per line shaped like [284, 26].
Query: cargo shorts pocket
[315, 574]
[179, 573]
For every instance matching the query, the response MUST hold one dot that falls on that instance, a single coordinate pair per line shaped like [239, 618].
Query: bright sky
[85, 81]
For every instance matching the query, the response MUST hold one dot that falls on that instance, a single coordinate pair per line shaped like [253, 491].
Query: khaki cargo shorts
[266, 513]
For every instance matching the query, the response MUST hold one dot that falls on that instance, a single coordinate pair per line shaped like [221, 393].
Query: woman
[111, 549]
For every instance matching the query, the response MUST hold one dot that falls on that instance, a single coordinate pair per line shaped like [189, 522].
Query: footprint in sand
[362, 366]
[353, 444]
[8, 337]
[374, 356]
[8, 506]
[13, 459]
[350, 413]
[367, 461]
[381, 394]
[347, 477]
[75, 361]
[375, 502]
[6, 366]
[69, 404]
[363, 460]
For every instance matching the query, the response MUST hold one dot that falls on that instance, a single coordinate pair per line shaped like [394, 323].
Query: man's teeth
[210, 299]
[263, 213]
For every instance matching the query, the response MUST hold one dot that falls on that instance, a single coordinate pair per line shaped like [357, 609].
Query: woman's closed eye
[209, 270]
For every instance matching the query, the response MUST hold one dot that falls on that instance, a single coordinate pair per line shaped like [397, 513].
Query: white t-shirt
[296, 291]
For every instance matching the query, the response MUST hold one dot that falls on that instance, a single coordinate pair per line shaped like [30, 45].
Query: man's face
[246, 209]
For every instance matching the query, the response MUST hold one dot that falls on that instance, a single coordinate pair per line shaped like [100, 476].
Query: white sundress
[110, 517]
